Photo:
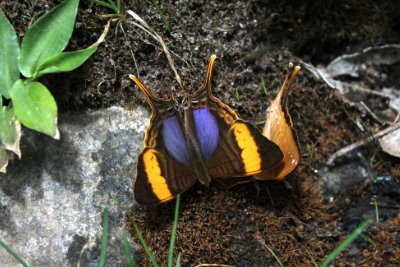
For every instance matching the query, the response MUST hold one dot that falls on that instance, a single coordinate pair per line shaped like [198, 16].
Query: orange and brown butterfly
[196, 138]
[279, 129]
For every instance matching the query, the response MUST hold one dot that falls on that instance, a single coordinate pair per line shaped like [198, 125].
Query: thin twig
[360, 143]
[371, 113]
[104, 34]
[155, 38]
[170, 60]
[130, 50]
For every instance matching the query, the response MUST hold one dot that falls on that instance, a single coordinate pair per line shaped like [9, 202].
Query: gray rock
[350, 171]
[52, 200]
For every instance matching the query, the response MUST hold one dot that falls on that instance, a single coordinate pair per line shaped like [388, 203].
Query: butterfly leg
[269, 195]
[241, 182]
[259, 185]
[220, 181]
[232, 185]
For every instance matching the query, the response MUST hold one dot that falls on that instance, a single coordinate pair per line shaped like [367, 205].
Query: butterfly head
[180, 103]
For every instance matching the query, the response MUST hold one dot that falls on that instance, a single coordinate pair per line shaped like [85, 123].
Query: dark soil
[252, 40]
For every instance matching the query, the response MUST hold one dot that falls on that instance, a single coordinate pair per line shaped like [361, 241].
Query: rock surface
[349, 172]
[52, 200]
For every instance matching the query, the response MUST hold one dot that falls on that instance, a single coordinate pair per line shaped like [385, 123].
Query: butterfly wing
[160, 178]
[163, 169]
[161, 110]
[242, 150]
[279, 129]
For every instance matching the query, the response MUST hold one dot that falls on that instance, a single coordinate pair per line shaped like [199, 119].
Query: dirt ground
[252, 40]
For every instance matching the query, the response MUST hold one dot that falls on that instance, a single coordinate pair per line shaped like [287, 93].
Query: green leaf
[48, 36]
[65, 61]
[9, 51]
[35, 107]
[3, 160]
[10, 130]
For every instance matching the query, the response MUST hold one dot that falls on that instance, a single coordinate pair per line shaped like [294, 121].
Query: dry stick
[130, 50]
[371, 113]
[86, 246]
[353, 146]
[103, 35]
[155, 38]
[170, 60]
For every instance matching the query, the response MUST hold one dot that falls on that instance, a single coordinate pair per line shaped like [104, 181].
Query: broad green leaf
[65, 61]
[35, 107]
[10, 130]
[48, 36]
[9, 51]
[3, 160]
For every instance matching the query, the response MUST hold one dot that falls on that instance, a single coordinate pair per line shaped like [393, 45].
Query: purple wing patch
[174, 140]
[207, 131]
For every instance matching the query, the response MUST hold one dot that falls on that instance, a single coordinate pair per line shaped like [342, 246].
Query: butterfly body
[193, 140]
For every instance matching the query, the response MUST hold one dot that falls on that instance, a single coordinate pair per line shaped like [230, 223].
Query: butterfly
[193, 139]
[279, 129]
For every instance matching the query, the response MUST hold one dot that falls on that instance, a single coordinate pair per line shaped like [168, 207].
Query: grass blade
[102, 3]
[119, 6]
[346, 242]
[129, 259]
[178, 260]
[366, 238]
[114, 7]
[273, 253]
[376, 210]
[146, 248]
[12, 253]
[237, 94]
[104, 239]
[108, 15]
[173, 233]
[264, 87]
[166, 23]
[312, 259]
